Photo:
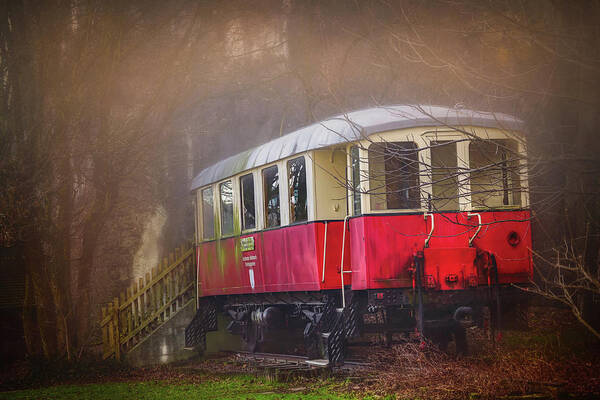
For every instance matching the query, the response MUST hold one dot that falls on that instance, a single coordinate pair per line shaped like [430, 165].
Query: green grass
[234, 387]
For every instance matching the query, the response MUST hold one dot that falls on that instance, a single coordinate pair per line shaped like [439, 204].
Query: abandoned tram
[399, 219]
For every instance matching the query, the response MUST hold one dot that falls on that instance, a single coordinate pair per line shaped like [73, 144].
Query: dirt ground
[554, 358]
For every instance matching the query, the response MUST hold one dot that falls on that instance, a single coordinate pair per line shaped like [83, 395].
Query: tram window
[271, 196]
[248, 209]
[297, 187]
[208, 214]
[494, 174]
[394, 176]
[355, 164]
[444, 175]
[226, 196]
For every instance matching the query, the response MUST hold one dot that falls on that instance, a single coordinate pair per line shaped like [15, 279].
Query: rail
[290, 362]
[145, 306]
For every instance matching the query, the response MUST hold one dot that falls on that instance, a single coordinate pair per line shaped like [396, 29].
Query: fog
[110, 108]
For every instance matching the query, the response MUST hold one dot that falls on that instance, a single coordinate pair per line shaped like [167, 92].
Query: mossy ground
[231, 387]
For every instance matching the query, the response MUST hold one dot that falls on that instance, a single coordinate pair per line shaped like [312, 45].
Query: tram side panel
[379, 249]
[358, 255]
[278, 260]
[455, 264]
[332, 240]
[449, 260]
[208, 269]
[384, 247]
[383, 250]
[221, 269]
[251, 254]
[451, 230]
[507, 234]
[289, 258]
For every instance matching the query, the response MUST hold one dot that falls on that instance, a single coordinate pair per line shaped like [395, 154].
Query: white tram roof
[350, 127]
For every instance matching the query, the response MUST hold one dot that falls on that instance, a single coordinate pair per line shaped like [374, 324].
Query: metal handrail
[324, 252]
[432, 227]
[342, 272]
[469, 215]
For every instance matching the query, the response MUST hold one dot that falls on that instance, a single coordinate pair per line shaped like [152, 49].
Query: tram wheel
[253, 337]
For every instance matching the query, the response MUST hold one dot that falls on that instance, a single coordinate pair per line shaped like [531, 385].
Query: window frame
[421, 139]
[365, 171]
[462, 162]
[449, 177]
[289, 194]
[356, 187]
[201, 219]
[522, 184]
[280, 196]
[196, 205]
[418, 199]
[233, 216]
[257, 199]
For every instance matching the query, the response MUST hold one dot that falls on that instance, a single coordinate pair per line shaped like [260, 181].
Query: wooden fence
[139, 311]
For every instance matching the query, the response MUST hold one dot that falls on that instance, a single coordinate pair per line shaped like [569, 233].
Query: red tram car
[417, 214]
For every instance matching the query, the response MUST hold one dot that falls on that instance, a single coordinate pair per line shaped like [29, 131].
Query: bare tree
[569, 282]
[536, 60]
[87, 106]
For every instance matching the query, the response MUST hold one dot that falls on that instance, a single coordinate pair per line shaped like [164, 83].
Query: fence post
[117, 331]
[104, 333]
[143, 300]
[148, 296]
[158, 295]
[111, 329]
[123, 315]
[129, 310]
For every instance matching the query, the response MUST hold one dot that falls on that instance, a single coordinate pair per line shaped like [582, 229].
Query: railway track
[289, 362]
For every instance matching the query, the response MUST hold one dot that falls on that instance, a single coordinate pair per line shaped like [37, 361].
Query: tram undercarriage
[313, 324]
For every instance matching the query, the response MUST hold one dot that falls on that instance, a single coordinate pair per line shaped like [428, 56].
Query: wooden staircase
[149, 303]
